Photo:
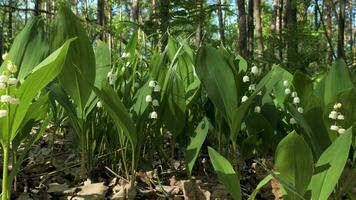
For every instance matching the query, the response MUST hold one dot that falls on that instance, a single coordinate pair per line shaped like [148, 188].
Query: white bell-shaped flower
[157, 88]
[99, 104]
[255, 71]
[294, 94]
[287, 91]
[340, 117]
[285, 83]
[257, 109]
[2, 85]
[244, 98]
[341, 131]
[155, 102]
[12, 81]
[4, 78]
[296, 100]
[333, 115]
[11, 67]
[292, 121]
[148, 98]
[252, 87]
[153, 115]
[151, 84]
[3, 113]
[5, 56]
[334, 128]
[245, 79]
[300, 110]
[5, 98]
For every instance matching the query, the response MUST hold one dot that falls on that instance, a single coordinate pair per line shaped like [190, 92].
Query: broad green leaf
[196, 143]
[330, 165]
[260, 185]
[118, 112]
[41, 75]
[226, 173]
[218, 79]
[337, 80]
[80, 61]
[294, 162]
[30, 47]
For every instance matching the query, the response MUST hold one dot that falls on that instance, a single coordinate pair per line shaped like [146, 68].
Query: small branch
[11, 8]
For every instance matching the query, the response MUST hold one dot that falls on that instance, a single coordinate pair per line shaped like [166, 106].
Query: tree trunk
[100, 18]
[351, 42]
[199, 30]
[258, 21]
[221, 23]
[135, 10]
[291, 25]
[9, 26]
[242, 36]
[250, 29]
[37, 7]
[341, 30]
[85, 9]
[164, 7]
[329, 28]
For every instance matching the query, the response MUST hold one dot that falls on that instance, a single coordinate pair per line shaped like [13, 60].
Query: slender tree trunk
[242, 36]
[341, 30]
[135, 10]
[100, 17]
[85, 9]
[26, 7]
[279, 28]
[351, 43]
[164, 7]
[291, 25]
[37, 7]
[250, 29]
[221, 22]
[9, 26]
[329, 28]
[199, 30]
[258, 20]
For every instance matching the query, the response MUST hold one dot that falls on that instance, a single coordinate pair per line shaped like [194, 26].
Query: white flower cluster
[6, 80]
[155, 103]
[336, 115]
[296, 100]
[112, 76]
[255, 71]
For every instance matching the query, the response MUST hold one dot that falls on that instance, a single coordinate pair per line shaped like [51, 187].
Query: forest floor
[46, 175]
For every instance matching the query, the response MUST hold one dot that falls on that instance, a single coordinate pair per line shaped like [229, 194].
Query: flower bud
[2, 85]
[11, 67]
[99, 104]
[4, 78]
[252, 87]
[157, 88]
[12, 81]
[292, 121]
[155, 102]
[340, 117]
[333, 115]
[294, 94]
[5, 56]
[287, 91]
[300, 110]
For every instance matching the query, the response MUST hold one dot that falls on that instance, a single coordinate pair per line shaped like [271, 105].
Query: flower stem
[5, 173]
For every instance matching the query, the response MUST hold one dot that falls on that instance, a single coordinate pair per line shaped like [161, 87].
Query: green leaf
[294, 162]
[80, 61]
[216, 75]
[260, 185]
[118, 112]
[337, 80]
[30, 47]
[330, 165]
[195, 144]
[226, 173]
[42, 75]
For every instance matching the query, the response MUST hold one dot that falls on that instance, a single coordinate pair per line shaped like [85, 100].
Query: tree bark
[9, 26]
[242, 36]
[135, 10]
[250, 29]
[258, 21]
[164, 7]
[100, 17]
[37, 7]
[329, 29]
[199, 30]
[351, 42]
[341, 30]
[291, 25]
[221, 23]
